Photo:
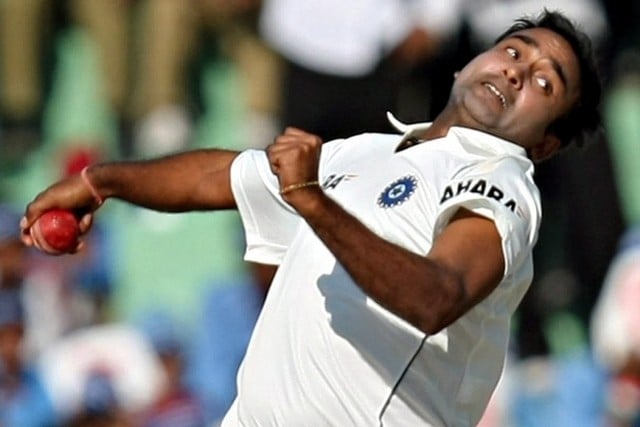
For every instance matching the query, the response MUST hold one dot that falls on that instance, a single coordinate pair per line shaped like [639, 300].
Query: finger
[35, 209]
[25, 232]
[85, 223]
[280, 143]
[273, 164]
[302, 135]
[287, 142]
[78, 248]
[291, 130]
[284, 139]
[30, 215]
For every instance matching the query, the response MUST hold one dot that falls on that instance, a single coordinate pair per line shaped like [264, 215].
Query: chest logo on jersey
[478, 186]
[398, 192]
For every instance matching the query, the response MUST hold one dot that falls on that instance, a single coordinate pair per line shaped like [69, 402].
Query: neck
[440, 126]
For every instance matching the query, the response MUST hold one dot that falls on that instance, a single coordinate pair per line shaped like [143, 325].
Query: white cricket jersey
[325, 354]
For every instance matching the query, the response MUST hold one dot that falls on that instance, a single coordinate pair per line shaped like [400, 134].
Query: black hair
[584, 118]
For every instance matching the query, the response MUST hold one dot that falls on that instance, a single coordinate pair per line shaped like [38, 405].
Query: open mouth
[497, 93]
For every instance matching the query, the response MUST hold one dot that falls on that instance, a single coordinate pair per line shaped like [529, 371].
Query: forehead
[551, 46]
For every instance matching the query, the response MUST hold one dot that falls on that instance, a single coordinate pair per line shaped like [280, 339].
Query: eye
[544, 84]
[513, 53]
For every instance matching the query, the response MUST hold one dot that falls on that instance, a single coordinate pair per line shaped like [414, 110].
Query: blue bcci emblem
[397, 192]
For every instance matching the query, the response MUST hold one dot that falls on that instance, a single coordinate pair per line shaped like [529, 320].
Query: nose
[515, 75]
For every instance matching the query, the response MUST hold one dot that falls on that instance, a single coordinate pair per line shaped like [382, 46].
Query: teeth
[497, 93]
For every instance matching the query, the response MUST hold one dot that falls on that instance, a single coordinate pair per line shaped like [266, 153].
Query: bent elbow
[453, 302]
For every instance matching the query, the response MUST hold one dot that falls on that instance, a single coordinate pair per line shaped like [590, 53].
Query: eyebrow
[533, 42]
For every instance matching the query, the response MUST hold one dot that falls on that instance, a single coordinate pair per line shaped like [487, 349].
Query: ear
[549, 146]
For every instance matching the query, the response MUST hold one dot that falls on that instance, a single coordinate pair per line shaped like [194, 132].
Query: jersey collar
[478, 139]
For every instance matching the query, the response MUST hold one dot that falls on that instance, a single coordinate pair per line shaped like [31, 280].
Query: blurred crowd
[147, 325]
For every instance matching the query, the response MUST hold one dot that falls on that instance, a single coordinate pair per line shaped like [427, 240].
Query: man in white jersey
[401, 258]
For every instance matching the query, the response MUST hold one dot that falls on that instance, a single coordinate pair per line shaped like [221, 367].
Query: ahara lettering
[478, 186]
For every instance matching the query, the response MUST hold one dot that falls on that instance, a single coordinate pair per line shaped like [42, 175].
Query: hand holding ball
[56, 232]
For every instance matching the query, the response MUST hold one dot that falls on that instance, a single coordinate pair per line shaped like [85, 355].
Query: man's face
[520, 86]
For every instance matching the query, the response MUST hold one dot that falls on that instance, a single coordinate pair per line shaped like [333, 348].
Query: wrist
[89, 185]
[307, 200]
[298, 186]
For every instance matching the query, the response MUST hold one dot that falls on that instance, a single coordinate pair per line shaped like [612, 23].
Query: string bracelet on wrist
[83, 174]
[293, 187]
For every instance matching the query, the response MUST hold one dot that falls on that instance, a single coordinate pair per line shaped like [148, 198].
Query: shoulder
[365, 138]
[506, 181]
[357, 144]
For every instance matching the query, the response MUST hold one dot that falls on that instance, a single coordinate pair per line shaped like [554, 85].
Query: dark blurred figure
[100, 406]
[13, 254]
[176, 406]
[344, 61]
[23, 400]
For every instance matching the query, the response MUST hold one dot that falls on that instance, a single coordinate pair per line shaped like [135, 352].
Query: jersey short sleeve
[502, 191]
[269, 222]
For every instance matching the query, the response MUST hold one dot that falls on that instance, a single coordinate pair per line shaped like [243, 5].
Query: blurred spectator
[29, 35]
[426, 87]
[150, 55]
[13, 254]
[486, 17]
[343, 61]
[86, 358]
[161, 53]
[616, 333]
[175, 40]
[234, 27]
[100, 406]
[23, 400]
[176, 406]
[229, 312]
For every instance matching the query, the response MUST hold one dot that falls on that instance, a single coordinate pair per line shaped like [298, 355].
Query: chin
[478, 115]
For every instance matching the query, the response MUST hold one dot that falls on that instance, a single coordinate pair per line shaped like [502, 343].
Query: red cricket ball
[56, 232]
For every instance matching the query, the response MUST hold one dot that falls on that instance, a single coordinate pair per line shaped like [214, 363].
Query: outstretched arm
[194, 180]
[464, 265]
